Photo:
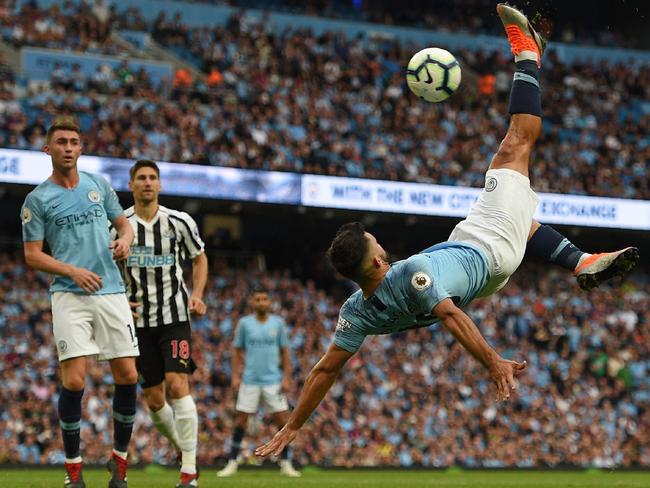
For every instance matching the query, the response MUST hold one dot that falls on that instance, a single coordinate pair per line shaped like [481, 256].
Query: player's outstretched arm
[320, 380]
[37, 259]
[466, 332]
[122, 245]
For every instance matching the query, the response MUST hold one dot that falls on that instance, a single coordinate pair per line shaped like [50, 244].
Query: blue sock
[123, 415]
[285, 453]
[70, 420]
[551, 246]
[237, 437]
[525, 96]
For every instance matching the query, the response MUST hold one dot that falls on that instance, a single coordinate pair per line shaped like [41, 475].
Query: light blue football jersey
[410, 290]
[74, 223]
[262, 343]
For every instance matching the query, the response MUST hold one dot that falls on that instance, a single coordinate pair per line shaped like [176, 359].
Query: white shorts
[248, 398]
[499, 224]
[87, 325]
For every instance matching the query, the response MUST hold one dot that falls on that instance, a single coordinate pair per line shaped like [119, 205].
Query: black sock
[123, 415]
[70, 420]
[551, 246]
[237, 437]
[525, 96]
[285, 453]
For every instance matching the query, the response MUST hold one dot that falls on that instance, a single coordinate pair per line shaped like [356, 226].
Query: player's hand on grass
[86, 280]
[280, 440]
[197, 307]
[503, 373]
[120, 248]
[134, 309]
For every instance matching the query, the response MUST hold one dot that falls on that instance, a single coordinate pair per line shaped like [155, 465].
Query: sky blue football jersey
[410, 290]
[262, 343]
[74, 223]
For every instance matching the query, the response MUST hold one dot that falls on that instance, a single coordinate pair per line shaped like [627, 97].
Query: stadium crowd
[466, 16]
[294, 101]
[79, 26]
[406, 400]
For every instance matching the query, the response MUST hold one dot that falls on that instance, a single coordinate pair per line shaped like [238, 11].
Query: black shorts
[166, 349]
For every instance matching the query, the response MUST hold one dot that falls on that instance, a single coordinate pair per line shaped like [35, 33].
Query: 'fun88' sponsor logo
[150, 260]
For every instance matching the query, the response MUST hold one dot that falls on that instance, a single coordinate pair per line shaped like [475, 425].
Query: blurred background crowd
[409, 399]
[326, 104]
[244, 94]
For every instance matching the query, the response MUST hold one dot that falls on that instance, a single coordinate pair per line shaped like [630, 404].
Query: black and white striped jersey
[153, 271]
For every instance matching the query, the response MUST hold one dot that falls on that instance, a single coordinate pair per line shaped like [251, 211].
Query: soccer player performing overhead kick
[482, 252]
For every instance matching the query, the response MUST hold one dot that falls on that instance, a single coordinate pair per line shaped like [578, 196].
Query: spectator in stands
[439, 418]
[325, 104]
[182, 81]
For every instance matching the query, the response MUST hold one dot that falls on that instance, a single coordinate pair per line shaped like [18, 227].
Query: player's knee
[178, 386]
[155, 404]
[241, 421]
[127, 377]
[74, 383]
[154, 397]
[510, 150]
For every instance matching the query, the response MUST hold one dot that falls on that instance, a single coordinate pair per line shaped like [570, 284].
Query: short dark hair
[348, 249]
[259, 289]
[62, 122]
[143, 163]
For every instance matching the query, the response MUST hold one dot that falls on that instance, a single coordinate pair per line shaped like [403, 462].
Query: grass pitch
[312, 478]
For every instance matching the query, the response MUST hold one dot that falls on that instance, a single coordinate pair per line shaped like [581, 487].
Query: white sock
[74, 460]
[187, 426]
[121, 454]
[163, 419]
[527, 55]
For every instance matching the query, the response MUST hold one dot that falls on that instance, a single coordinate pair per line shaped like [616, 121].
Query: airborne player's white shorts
[248, 398]
[499, 223]
[88, 325]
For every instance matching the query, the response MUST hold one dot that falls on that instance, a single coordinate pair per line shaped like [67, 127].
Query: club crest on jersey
[490, 184]
[169, 234]
[26, 215]
[420, 281]
[93, 196]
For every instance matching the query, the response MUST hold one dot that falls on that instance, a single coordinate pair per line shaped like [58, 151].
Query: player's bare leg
[161, 413]
[241, 420]
[124, 401]
[286, 468]
[516, 147]
[525, 103]
[515, 150]
[73, 374]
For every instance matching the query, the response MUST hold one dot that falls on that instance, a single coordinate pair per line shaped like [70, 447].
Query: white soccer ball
[433, 74]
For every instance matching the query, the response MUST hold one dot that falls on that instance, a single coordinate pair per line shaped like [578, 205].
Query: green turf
[46, 478]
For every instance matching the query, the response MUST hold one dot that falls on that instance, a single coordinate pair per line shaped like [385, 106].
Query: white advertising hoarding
[33, 167]
[455, 201]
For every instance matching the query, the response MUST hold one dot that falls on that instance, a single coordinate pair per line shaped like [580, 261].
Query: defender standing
[90, 312]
